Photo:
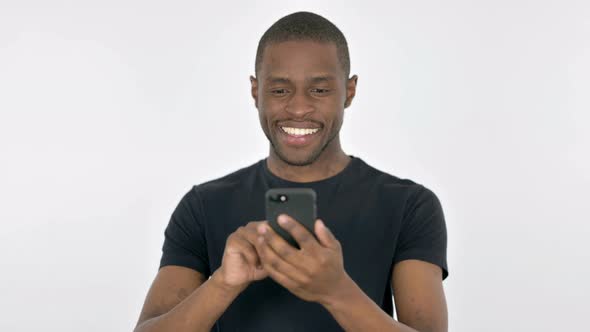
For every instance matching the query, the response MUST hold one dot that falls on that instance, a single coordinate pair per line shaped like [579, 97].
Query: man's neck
[324, 167]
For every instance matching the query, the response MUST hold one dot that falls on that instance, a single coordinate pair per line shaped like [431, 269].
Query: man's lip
[298, 141]
[301, 125]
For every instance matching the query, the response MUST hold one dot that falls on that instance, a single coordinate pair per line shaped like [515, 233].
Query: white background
[111, 110]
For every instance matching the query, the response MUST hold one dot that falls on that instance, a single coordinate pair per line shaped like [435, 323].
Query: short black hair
[305, 26]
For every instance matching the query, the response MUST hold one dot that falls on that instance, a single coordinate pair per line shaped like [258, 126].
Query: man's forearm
[355, 311]
[198, 312]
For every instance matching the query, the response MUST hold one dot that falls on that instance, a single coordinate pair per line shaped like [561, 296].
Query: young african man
[224, 269]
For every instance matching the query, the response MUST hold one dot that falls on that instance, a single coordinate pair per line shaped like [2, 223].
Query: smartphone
[298, 203]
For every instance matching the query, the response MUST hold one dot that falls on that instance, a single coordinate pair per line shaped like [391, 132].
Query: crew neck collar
[352, 164]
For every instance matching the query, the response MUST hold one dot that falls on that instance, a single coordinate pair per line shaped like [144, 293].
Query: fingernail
[283, 220]
[262, 229]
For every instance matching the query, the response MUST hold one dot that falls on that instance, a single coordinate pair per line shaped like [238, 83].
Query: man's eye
[278, 91]
[318, 90]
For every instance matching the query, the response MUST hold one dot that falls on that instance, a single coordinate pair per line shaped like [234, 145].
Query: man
[224, 268]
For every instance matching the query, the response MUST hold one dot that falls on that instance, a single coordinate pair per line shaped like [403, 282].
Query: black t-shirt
[378, 218]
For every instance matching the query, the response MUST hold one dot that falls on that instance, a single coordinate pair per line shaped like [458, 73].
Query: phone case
[300, 204]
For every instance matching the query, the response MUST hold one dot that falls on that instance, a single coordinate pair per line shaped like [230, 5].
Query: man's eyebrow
[276, 79]
[315, 79]
[323, 78]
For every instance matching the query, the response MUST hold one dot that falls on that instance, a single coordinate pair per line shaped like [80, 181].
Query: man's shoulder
[388, 186]
[229, 182]
[387, 179]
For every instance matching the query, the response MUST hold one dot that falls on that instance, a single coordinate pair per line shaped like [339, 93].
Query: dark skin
[289, 91]
[302, 84]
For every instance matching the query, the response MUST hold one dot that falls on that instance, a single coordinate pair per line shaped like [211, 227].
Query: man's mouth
[300, 131]
[298, 136]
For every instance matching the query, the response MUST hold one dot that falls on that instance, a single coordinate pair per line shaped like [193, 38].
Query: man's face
[300, 94]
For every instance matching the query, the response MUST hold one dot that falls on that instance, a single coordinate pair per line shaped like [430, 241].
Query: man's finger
[281, 247]
[272, 262]
[325, 235]
[303, 237]
[249, 232]
[247, 249]
[280, 277]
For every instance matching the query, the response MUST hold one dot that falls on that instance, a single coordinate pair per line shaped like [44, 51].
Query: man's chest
[365, 226]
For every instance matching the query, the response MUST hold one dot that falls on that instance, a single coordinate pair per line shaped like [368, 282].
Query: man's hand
[313, 273]
[240, 264]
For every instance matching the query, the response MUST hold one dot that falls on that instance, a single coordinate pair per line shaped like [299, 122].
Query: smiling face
[301, 92]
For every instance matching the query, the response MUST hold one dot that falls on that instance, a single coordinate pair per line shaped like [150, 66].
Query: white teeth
[299, 131]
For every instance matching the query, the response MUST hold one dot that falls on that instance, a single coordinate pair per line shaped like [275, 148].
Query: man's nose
[300, 104]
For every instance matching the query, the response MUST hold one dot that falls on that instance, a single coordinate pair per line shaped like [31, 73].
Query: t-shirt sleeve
[423, 234]
[184, 238]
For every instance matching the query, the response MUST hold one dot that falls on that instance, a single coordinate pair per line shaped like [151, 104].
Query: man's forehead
[286, 78]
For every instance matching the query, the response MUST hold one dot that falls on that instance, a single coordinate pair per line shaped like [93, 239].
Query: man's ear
[254, 89]
[350, 90]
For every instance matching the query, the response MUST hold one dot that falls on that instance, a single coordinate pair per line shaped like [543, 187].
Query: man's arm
[316, 273]
[180, 299]
[419, 299]
[419, 295]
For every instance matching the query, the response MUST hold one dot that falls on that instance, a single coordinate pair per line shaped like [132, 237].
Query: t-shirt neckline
[333, 179]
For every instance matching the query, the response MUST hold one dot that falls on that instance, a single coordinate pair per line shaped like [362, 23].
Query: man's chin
[297, 158]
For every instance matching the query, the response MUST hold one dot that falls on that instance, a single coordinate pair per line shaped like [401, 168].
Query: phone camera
[280, 198]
